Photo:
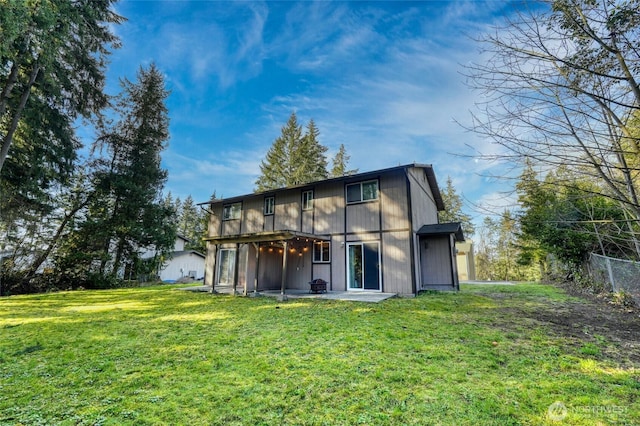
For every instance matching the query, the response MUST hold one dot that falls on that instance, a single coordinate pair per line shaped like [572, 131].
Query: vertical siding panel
[436, 267]
[307, 220]
[396, 275]
[268, 223]
[424, 206]
[231, 227]
[270, 269]
[288, 211]
[252, 215]
[209, 264]
[241, 256]
[298, 270]
[251, 267]
[393, 194]
[363, 217]
[328, 208]
[338, 280]
[214, 220]
[322, 271]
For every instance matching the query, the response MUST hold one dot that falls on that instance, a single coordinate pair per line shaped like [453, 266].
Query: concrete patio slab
[207, 289]
[354, 296]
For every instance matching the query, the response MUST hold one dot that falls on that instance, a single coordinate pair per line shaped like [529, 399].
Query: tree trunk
[8, 138]
[118, 258]
[45, 254]
[11, 81]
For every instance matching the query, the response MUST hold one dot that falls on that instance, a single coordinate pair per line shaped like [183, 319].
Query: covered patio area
[279, 262]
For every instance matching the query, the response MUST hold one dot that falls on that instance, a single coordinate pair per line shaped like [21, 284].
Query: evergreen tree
[453, 209]
[129, 214]
[570, 221]
[498, 250]
[52, 65]
[200, 230]
[277, 169]
[314, 155]
[294, 158]
[340, 163]
[190, 223]
[53, 57]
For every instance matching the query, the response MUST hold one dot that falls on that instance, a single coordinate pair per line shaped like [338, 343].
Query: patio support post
[283, 296]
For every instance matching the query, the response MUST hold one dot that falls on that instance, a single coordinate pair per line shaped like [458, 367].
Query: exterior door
[363, 271]
[226, 266]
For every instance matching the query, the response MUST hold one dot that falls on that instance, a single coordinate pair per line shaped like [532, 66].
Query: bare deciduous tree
[561, 88]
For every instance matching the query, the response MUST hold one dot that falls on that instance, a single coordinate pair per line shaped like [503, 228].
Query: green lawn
[487, 355]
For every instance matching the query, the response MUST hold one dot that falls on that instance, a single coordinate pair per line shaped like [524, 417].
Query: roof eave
[263, 237]
[433, 184]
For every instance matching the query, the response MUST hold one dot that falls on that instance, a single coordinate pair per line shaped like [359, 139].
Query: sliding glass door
[226, 266]
[363, 266]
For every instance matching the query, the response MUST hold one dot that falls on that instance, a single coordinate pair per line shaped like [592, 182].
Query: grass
[155, 355]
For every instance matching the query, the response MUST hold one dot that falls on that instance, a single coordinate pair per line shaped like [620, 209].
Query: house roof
[181, 252]
[443, 229]
[260, 237]
[428, 169]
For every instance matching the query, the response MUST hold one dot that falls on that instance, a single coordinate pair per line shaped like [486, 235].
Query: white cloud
[383, 79]
[228, 173]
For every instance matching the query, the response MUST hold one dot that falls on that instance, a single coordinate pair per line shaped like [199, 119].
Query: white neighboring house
[181, 263]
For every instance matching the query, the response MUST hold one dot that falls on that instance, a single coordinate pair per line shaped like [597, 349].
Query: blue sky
[382, 78]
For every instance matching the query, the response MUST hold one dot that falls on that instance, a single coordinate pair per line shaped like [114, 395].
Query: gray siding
[422, 202]
[392, 220]
[242, 257]
[338, 281]
[363, 217]
[436, 261]
[307, 221]
[396, 263]
[287, 213]
[394, 202]
[270, 269]
[231, 227]
[329, 209]
[251, 268]
[209, 264]
[268, 223]
[322, 271]
[299, 270]
[252, 215]
[215, 220]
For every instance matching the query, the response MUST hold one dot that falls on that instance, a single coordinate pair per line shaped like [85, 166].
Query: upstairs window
[362, 191]
[321, 252]
[269, 205]
[307, 200]
[232, 211]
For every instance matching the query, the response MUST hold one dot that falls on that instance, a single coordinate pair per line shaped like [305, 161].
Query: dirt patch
[614, 331]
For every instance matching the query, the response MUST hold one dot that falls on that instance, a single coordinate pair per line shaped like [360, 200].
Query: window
[269, 205]
[232, 211]
[321, 252]
[226, 266]
[307, 200]
[362, 191]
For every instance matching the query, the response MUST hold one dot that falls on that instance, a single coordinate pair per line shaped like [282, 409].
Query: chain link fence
[621, 275]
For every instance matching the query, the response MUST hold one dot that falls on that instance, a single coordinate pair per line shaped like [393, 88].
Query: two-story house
[373, 231]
